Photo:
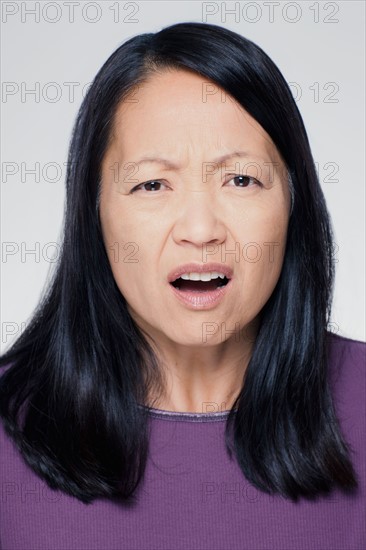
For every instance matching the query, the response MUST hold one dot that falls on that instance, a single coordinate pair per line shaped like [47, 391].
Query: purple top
[193, 497]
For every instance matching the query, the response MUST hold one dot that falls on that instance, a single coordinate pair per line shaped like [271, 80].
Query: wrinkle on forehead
[176, 106]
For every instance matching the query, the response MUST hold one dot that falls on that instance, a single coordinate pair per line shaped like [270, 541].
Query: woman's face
[196, 211]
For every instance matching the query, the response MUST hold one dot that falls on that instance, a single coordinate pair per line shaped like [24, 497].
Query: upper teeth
[202, 276]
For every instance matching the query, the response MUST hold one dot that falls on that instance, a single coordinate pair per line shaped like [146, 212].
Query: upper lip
[200, 268]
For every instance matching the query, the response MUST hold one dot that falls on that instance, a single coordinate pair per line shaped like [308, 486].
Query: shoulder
[346, 361]
[347, 366]
[337, 340]
[347, 377]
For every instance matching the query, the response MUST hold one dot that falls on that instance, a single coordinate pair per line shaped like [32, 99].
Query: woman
[179, 383]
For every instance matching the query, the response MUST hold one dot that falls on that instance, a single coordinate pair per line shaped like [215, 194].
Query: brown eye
[151, 183]
[245, 181]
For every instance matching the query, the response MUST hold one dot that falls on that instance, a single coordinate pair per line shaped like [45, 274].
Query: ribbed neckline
[186, 416]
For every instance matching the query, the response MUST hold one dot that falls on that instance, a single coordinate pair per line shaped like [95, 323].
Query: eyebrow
[220, 160]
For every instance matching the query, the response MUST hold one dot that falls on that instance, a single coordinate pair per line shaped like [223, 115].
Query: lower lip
[202, 300]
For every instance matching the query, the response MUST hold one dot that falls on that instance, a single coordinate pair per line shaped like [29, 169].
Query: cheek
[264, 223]
[121, 236]
[119, 250]
[129, 250]
[261, 255]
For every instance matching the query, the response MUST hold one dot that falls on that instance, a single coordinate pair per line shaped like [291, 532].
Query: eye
[245, 180]
[152, 183]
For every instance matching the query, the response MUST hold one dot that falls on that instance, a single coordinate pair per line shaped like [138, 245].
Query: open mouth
[199, 286]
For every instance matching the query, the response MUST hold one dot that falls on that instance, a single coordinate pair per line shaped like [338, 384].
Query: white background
[318, 46]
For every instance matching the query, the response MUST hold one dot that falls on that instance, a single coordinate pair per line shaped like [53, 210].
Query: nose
[199, 221]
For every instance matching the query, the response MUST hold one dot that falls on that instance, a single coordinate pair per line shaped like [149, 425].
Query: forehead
[176, 108]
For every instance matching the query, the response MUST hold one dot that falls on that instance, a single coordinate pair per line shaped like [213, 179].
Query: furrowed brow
[219, 161]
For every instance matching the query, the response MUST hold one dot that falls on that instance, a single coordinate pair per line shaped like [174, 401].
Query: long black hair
[70, 399]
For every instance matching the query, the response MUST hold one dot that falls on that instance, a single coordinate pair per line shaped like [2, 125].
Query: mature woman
[177, 386]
